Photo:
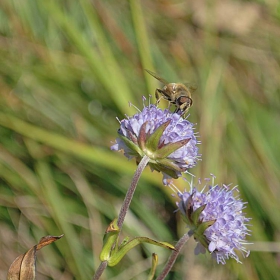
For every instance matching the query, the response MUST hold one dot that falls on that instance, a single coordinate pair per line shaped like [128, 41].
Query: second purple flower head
[217, 220]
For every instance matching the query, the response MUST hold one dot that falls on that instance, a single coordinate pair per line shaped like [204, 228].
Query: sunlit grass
[68, 68]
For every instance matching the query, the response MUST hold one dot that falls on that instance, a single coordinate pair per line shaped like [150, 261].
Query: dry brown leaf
[23, 267]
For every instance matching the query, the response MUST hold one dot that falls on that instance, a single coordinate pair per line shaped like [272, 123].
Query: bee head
[184, 102]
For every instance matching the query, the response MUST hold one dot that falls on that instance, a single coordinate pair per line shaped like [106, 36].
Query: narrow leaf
[110, 238]
[199, 233]
[170, 164]
[203, 226]
[170, 148]
[195, 215]
[135, 150]
[162, 168]
[154, 266]
[116, 256]
[47, 240]
[142, 136]
[153, 140]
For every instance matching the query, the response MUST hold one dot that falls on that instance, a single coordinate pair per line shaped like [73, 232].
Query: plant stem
[125, 206]
[129, 195]
[100, 270]
[174, 255]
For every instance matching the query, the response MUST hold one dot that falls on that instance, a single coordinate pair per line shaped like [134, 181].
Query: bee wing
[157, 77]
[191, 87]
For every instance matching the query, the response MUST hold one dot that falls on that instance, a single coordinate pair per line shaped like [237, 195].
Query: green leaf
[110, 238]
[203, 226]
[153, 140]
[162, 168]
[142, 136]
[133, 147]
[170, 164]
[117, 255]
[154, 266]
[199, 233]
[195, 215]
[125, 241]
[170, 148]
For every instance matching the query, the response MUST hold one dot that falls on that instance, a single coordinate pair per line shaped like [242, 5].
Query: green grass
[68, 68]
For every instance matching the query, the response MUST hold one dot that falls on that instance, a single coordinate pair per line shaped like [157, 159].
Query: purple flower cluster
[165, 156]
[222, 213]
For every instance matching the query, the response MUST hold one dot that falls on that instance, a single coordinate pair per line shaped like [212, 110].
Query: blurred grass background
[68, 68]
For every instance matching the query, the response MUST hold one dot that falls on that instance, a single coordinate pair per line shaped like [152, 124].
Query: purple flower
[217, 221]
[166, 138]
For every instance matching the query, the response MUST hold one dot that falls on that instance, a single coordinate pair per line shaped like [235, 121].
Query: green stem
[125, 206]
[129, 195]
[174, 255]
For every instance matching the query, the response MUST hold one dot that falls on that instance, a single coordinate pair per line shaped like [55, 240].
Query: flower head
[217, 220]
[166, 138]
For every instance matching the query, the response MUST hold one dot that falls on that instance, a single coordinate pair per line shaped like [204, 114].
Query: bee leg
[181, 110]
[181, 113]
[177, 111]
[157, 95]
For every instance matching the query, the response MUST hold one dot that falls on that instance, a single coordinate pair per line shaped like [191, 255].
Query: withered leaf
[23, 267]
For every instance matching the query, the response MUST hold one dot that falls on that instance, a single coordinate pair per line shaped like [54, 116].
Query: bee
[176, 93]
